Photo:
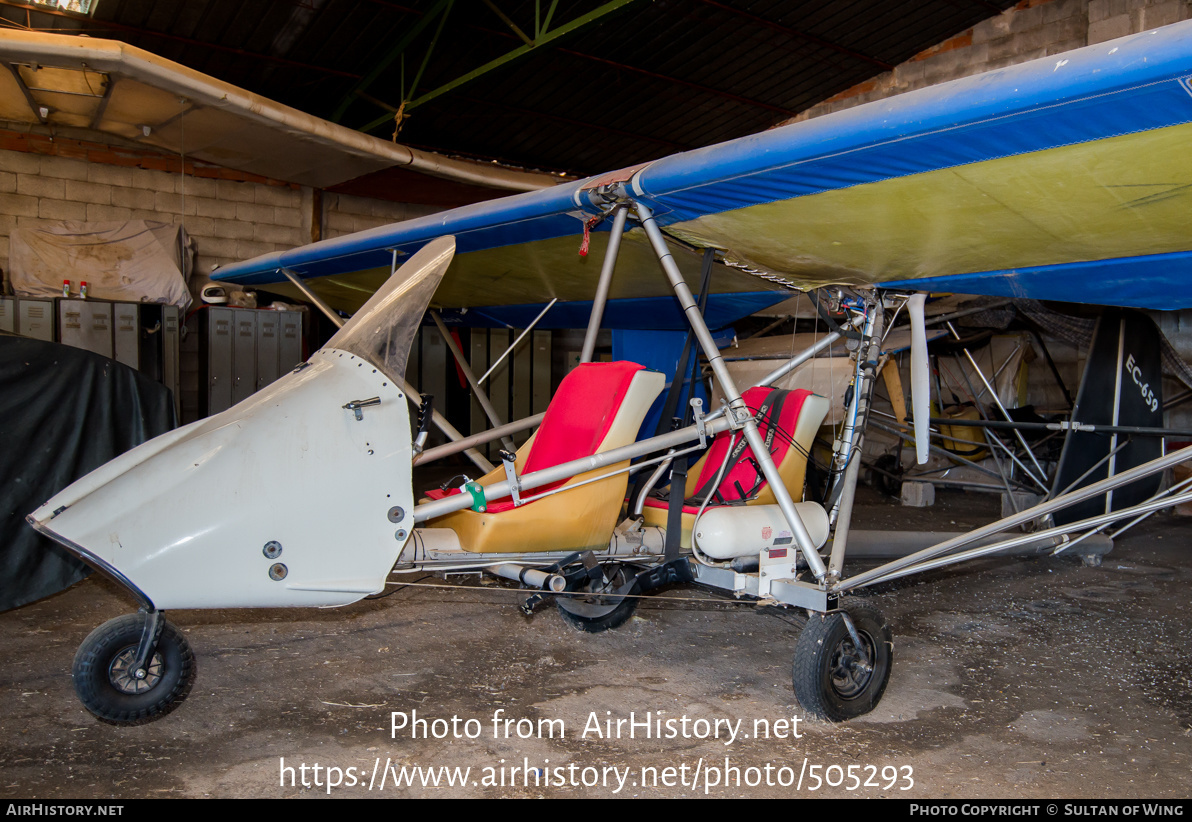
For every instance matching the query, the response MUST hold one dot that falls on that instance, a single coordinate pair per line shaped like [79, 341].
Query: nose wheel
[838, 673]
[133, 669]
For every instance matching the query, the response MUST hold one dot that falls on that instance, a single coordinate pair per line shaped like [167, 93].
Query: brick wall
[1029, 30]
[345, 213]
[229, 215]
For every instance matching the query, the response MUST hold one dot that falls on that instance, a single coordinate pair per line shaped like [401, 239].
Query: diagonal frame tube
[565, 470]
[477, 391]
[520, 337]
[998, 401]
[1097, 523]
[738, 412]
[1097, 488]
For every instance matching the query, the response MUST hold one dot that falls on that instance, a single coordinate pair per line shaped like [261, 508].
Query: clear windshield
[383, 330]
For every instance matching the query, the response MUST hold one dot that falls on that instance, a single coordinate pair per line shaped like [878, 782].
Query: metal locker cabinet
[290, 342]
[126, 334]
[8, 315]
[171, 353]
[268, 348]
[244, 354]
[97, 327]
[219, 359]
[35, 318]
[86, 324]
[433, 376]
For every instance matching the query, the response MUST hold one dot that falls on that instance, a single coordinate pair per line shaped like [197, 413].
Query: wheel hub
[850, 673]
[129, 680]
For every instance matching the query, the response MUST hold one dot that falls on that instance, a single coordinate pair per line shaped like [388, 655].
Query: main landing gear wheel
[833, 678]
[601, 606]
[110, 688]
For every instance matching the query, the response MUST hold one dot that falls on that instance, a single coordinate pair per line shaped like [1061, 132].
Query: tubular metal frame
[821, 595]
[485, 403]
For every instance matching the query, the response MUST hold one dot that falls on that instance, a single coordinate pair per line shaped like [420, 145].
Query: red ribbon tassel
[588, 225]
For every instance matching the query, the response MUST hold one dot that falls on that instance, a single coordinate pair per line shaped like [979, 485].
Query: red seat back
[580, 413]
[741, 472]
[577, 420]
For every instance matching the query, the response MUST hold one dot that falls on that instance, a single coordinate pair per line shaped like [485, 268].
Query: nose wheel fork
[133, 669]
[842, 662]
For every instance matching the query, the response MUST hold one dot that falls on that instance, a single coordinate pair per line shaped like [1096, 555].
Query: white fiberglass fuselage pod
[286, 499]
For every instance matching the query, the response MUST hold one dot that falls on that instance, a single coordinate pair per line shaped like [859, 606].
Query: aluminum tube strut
[998, 401]
[901, 433]
[1089, 491]
[606, 279]
[737, 408]
[566, 470]
[1002, 473]
[862, 395]
[1165, 493]
[440, 451]
[520, 337]
[1095, 466]
[449, 430]
[793, 363]
[842, 450]
[477, 391]
[1059, 531]
[301, 285]
[887, 545]
[992, 438]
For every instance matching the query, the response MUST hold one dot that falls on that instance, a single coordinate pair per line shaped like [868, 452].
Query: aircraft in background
[1059, 179]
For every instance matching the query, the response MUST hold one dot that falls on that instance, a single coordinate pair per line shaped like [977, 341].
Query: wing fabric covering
[1065, 178]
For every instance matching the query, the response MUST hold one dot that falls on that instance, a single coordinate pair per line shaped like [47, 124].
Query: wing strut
[606, 278]
[477, 391]
[739, 414]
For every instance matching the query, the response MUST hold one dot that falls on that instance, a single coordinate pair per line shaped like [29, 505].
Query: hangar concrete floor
[1012, 678]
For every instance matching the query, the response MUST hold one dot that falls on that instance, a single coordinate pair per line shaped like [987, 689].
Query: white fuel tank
[745, 530]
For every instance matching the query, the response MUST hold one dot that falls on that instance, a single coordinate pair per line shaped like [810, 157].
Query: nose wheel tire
[111, 688]
[833, 678]
[601, 606]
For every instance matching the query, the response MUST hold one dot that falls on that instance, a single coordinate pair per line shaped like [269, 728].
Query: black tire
[600, 610]
[108, 690]
[887, 475]
[828, 681]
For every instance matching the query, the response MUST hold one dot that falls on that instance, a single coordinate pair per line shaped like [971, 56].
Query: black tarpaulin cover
[63, 413]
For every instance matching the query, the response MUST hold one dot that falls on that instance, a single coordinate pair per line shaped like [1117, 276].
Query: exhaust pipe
[531, 577]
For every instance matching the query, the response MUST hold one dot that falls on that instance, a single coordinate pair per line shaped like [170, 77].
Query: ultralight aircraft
[1066, 178]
